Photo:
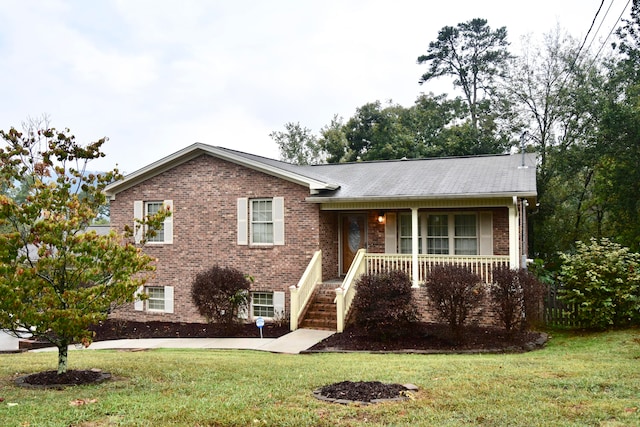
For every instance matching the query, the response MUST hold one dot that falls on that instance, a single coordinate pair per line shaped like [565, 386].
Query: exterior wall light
[381, 217]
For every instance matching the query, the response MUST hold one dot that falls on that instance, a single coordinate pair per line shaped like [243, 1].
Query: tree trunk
[63, 348]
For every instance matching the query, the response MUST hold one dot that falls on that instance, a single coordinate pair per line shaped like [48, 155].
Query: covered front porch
[481, 235]
[303, 293]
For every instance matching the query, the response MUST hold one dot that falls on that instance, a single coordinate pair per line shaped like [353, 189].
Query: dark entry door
[354, 237]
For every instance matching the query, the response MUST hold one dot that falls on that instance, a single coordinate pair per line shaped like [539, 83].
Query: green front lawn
[591, 379]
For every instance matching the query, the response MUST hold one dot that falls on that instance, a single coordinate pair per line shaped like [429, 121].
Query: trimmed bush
[384, 304]
[220, 294]
[602, 279]
[517, 296]
[454, 292]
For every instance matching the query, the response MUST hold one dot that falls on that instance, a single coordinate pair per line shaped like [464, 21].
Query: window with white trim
[267, 304]
[261, 221]
[152, 208]
[438, 234]
[453, 233]
[262, 304]
[405, 233]
[159, 299]
[141, 210]
[466, 234]
[155, 301]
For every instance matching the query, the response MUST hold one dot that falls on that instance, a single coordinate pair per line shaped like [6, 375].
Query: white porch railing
[346, 292]
[302, 292]
[482, 265]
[370, 263]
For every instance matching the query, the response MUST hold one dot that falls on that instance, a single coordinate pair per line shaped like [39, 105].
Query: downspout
[523, 225]
[514, 235]
[414, 248]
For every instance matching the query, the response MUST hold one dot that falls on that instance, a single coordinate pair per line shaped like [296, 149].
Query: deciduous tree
[56, 278]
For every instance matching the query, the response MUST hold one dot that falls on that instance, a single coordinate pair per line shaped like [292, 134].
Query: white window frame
[141, 211]
[140, 305]
[245, 221]
[254, 208]
[156, 298]
[423, 221]
[157, 204]
[405, 222]
[276, 306]
[266, 306]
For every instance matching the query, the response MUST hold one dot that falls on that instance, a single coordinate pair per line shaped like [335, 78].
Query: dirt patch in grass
[49, 379]
[362, 392]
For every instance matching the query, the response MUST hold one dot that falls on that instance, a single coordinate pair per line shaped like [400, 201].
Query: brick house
[294, 227]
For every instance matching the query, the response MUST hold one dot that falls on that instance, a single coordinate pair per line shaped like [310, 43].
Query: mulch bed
[435, 338]
[346, 392]
[118, 329]
[49, 379]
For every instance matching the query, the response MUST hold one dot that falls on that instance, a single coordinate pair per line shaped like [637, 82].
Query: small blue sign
[260, 322]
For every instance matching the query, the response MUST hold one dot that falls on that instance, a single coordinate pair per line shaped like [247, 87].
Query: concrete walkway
[291, 343]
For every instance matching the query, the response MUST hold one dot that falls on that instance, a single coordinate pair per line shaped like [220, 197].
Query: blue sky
[155, 76]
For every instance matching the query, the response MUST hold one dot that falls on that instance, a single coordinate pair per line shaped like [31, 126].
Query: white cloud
[157, 75]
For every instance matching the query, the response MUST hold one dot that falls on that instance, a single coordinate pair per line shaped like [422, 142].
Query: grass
[589, 379]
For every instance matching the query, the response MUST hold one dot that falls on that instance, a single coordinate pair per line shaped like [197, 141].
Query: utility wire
[600, 26]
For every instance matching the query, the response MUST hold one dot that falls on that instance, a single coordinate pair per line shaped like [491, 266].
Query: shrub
[603, 280]
[220, 294]
[454, 292]
[384, 304]
[517, 296]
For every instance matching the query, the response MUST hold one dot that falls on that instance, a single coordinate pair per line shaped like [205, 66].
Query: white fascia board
[196, 150]
[313, 199]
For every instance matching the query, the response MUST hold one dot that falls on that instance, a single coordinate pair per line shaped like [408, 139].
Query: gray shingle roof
[474, 176]
[454, 177]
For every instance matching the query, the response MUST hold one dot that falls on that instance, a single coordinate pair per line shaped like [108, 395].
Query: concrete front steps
[321, 313]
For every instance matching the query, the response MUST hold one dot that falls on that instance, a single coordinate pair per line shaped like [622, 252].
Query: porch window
[405, 234]
[438, 234]
[445, 234]
[466, 234]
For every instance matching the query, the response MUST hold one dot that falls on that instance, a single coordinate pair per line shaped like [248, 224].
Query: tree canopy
[56, 277]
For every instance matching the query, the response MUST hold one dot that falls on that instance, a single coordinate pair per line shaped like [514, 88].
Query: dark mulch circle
[361, 391]
[72, 377]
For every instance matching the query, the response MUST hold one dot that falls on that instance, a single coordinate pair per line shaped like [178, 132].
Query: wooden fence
[559, 313]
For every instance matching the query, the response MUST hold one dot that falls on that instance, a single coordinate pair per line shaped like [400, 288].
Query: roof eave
[198, 149]
[501, 195]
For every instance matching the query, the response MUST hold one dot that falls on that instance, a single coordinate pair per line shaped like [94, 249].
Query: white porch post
[414, 248]
[514, 244]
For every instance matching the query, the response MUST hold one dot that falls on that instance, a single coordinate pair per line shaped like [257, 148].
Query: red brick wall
[329, 244]
[375, 231]
[204, 193]
[500, 231]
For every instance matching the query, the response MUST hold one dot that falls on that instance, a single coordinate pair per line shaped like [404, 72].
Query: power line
[601, 22]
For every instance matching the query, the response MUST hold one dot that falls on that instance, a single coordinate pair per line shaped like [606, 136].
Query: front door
[354, 237]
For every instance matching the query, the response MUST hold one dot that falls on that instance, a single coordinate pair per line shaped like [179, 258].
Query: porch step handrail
[303, 291]
[346, 291]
